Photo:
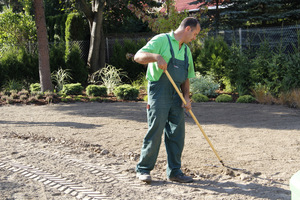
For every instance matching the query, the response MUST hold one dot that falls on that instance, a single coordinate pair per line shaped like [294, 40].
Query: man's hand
[188, 105]
[145, 58]
[161, 63]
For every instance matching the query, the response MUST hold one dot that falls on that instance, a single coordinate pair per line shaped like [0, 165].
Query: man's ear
[188, 28]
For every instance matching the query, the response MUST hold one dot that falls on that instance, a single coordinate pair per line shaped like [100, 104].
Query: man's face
[191, 34]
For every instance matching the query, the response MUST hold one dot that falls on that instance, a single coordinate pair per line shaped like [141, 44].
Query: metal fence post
[107, 50]
[240, 37]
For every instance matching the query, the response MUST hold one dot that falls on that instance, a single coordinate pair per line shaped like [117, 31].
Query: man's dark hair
[190, 21]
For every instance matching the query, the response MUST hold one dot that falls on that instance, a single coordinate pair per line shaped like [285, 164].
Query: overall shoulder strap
[171, 48]
[186, 58]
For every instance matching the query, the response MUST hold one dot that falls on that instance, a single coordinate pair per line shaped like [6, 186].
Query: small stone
[245, 177]
[228, 172]
[104, 152]
[91, 156]
[257, 173]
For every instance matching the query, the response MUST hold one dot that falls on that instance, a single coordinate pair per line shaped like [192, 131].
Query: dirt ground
[89, 151]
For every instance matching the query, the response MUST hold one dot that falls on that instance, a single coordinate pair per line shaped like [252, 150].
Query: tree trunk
[44, 63]
[94, 14]
[94, 57]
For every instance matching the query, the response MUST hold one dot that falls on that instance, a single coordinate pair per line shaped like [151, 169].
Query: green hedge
[126, 92]
[245, 99]
[72, 89]
[96, 90]
[224, 98]
[76, 65]
[56, 27]
[18, 65]
[199, 98]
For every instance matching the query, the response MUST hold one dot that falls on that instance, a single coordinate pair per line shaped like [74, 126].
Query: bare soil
[95, 146]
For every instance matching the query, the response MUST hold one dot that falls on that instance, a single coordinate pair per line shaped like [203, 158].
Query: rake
[193, 116]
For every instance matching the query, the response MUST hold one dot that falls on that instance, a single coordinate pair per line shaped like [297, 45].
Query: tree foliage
[16, 28]
[212, 16]
[159, 22]
[123, 19]
[241, 13]
[261, 13]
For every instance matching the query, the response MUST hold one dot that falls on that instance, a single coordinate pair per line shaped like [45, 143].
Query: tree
[16, 28]
[94, 14]
[44, 63]
[93, 11]
[160, 22]
[214, 14]
[241, 13]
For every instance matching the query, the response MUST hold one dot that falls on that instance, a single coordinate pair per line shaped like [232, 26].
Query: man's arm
[185, 88]
[145, 58]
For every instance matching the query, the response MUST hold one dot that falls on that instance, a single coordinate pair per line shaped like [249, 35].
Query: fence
[288, 37]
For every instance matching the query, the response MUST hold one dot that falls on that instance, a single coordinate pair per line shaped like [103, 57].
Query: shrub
[18, 65]
[245, 99]
[76, 28]
[72, 89]
[14, 94]
[224, 98]
[291, 78]
[76, 65]
[16, 27]
[291, 98]
[238, 70]
[9, 100]
[56, 26]
[23, 92]
[262, 94]
[199, 98]
[212, 57]
[120, 60]
[60, 77]
[110, 76]
[96, 90]
[57, 56]
[93, 99]
[13, 85]
[126, 92]
[203, 85]
[35, 87]
[33, 99]
[64, 99]
[39, 95]
[23, 97]
[4, 97]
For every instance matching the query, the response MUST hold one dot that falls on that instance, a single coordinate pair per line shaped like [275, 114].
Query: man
[165, 108]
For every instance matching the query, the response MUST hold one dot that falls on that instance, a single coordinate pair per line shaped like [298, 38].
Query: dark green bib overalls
[164, 113]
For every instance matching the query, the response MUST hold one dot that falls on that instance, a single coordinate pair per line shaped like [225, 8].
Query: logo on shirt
[176, 66]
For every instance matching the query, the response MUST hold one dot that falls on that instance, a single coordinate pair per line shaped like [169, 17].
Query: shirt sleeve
[191, 70]
[154, 45]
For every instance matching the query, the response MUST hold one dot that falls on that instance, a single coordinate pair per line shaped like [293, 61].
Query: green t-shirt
[159, 44]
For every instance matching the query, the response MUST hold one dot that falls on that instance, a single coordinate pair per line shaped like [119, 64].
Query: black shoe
[181, 178]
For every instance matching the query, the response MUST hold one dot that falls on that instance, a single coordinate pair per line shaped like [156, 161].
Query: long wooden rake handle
[193, 116]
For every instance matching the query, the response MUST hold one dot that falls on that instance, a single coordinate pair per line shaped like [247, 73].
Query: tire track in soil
[108, 175]
[53, 181]
[53, 169]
